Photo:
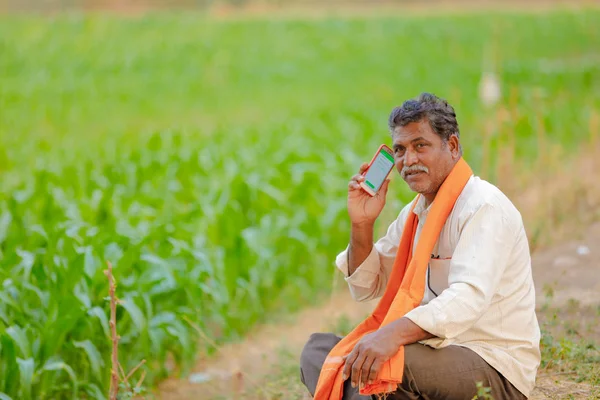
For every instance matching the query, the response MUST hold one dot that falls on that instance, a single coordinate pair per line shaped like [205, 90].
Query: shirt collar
[421, 210]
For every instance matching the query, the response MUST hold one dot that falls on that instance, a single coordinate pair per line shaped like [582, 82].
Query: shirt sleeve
[477, 265]
[370, 279]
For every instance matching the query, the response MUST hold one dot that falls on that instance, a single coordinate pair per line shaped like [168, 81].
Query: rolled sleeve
[364, 281]
[477, 265]
[369, 280]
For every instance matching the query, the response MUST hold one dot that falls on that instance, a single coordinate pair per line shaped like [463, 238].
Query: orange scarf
[404, 292]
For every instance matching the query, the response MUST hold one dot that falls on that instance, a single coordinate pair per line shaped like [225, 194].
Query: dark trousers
[450, 373]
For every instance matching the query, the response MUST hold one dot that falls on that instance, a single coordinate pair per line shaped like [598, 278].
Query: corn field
[208, 162]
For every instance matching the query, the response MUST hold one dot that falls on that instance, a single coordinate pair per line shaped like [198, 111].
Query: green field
[209, 162]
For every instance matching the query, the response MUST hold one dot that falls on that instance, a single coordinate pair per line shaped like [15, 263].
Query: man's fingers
[356, 369]
[374, 371]
[366, 371]
[358, 178]
[348, 365]
[354, 182]
[363, 168]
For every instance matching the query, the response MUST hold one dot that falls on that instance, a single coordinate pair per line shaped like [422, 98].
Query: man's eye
[420, 145]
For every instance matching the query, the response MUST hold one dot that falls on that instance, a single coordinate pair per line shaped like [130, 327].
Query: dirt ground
[567, 279]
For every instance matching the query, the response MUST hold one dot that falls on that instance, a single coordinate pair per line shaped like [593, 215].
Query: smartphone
[378, 170]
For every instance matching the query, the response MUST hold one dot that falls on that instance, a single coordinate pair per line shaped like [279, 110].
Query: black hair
[437, 111]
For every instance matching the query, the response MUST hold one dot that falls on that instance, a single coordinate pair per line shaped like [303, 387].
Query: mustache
[413, 168]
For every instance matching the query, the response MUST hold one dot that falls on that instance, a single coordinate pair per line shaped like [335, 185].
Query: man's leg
[311, 361]
[450, 373]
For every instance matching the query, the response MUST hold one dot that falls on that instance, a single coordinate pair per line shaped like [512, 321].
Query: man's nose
[410, 158]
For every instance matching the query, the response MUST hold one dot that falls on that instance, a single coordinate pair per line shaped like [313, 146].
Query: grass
[570, 342]
[208, 162]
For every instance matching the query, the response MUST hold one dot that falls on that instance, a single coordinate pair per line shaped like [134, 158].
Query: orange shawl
[404, 292]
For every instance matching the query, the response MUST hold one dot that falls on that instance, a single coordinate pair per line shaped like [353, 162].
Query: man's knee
[415, 360]
[417, 357]
[313, 356]
[306, 355]
[450, 372]
[316, 349]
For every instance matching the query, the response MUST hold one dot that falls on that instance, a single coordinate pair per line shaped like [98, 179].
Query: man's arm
[361, 244]
[406, 332]
[367, 266]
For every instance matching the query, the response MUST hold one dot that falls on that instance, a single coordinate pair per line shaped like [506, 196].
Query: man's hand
[362, 208]
[369, 354]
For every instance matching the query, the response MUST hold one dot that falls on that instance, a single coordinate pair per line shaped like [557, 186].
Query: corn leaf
[94, 357]
[26, 369]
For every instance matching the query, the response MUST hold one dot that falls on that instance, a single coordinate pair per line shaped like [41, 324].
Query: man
[475, 321]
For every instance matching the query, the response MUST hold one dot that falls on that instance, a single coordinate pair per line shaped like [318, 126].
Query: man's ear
[454, 145]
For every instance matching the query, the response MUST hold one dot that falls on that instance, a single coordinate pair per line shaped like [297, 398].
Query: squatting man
[453, 273]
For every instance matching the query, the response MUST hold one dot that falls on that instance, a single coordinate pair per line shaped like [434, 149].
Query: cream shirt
[479, 293]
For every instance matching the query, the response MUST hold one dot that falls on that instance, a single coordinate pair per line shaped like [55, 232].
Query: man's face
[422, 158]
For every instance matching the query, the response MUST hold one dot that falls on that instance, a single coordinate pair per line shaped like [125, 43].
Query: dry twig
[115, 379]
[114, 374]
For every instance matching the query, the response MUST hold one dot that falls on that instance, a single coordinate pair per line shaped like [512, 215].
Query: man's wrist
[364, 225]
[404, 332]
[398, 332]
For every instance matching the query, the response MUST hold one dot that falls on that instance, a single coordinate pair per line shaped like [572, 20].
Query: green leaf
[18, 335]
[5, 220]
[9, 378]
[93, 391]
[99, 313]
[82, 292]
[135, 313]
[26, 368]
[4, 318]
[52, 365]
[26, 264]
[113, 253]
[4, 396]
[154, 259]
[43, 296]
[159, 319]
[180, 332]
[89, 263]
[96, 361]
[6, 298]
[67, 311]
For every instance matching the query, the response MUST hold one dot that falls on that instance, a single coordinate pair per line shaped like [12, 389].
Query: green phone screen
[380, 168]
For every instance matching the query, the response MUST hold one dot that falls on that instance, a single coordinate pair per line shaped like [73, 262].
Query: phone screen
[379, 170]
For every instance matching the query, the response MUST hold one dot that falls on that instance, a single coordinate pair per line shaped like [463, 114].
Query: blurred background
[204, 148]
